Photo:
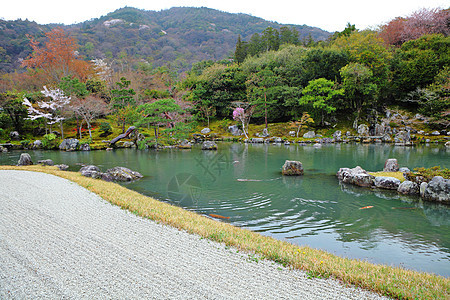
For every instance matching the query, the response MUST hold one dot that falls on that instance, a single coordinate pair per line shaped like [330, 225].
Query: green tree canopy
[319, 95]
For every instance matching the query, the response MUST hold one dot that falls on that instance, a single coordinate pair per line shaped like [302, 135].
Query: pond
[243, 182]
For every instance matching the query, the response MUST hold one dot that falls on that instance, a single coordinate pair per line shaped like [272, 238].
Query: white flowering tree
[51, 110]
[239, 114]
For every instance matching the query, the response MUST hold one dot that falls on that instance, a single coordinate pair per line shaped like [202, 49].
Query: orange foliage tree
[58, 57]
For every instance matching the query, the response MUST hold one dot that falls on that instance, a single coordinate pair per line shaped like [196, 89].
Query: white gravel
[60, 241]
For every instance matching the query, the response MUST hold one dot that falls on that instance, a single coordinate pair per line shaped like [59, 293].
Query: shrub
[224, 124]
[25, 144]
[49, 141]
[106, 128]
[425, 175]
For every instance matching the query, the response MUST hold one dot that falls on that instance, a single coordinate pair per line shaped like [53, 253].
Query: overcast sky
[330, 15]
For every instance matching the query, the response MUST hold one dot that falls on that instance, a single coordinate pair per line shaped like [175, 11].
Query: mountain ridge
[179, 35]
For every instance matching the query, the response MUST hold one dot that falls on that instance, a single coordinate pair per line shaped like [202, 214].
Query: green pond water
[243, 182]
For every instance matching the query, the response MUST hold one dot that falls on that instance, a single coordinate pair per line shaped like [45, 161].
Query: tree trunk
[243, 129]
[265, 108]
[62, 130]
[156, 137]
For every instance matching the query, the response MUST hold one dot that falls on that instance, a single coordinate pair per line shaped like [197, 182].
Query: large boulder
[37, 144]
[357, 176]
[403, 137]
[438, 189]
[292, 168]
[386, 138]
[277, 139]
[185, 144]
[365, 180]
[257, 140]
[408, 188]
[3, 149]
[379, 129]
[234, 130]
[423, 186]
[391, 165]
[123, 174]
[69, 145]
[14, 135]
[205, 130]
[91, 171]
[265, 133]
[209, 145]
[363, 130]
[309, 135]
[292, 133]
[337, 135]
[85, 147]
[389, 183]
[25, 160]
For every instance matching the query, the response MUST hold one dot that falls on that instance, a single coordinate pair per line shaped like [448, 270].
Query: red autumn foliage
[58, 58]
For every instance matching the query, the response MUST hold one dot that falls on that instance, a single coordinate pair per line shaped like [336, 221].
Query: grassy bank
[393, 282]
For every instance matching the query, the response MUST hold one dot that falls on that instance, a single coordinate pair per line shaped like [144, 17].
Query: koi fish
[370, 206]
[218, 216]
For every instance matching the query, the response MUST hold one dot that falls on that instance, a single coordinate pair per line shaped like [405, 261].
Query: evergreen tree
[241, 50]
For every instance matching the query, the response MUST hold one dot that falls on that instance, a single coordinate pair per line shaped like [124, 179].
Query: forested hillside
[353, 78]
[179, 36]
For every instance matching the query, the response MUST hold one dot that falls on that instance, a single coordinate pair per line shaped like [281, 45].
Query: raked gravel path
[60, 241]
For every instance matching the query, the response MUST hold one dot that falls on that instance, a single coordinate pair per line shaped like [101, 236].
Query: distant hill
[181, 35]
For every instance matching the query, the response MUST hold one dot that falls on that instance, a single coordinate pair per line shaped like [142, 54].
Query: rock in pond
[438, 189]
[357, 176]
[388, 183]
[185, 144]
[85, 147]
[292, 168]
[391, 165]
[209, 145]
[257, 140]
[337, 135]
[46, 162]
[25, 160]
[309, 135]
[123, 174]
[408, 188]
[363, 130]
[91, 171]
[69, 145]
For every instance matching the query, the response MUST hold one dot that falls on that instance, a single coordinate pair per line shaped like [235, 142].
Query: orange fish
[218, 216]
[370, 206]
